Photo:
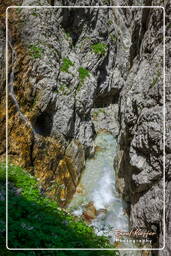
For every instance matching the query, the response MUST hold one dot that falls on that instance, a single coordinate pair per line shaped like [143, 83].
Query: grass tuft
[66, 64]
[35, 51]
[83, 73]
[99, 48]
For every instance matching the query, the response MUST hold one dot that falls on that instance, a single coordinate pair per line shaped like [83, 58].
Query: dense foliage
[37, 222]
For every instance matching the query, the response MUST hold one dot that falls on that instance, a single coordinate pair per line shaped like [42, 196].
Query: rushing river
[97, 194]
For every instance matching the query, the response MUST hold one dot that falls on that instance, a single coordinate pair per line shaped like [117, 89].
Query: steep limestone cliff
[141, 131]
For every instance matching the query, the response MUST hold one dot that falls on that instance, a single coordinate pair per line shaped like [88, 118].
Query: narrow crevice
[138, 33]
[70, 23]
[103, 71]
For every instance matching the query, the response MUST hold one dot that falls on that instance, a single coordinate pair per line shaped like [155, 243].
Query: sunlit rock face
[33, 141]
[76, 71]
[55, 80]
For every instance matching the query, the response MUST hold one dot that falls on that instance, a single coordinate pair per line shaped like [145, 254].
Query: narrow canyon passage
[85, 118]
[96, 198]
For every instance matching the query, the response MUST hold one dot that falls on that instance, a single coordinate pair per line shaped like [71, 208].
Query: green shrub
[36, 221]
[83, 73]
[34, 13]
[106, 2]
[79, 87]
[66, 64]
[109, 22]
[63, 89]
[156, 79]
[97, 112]
[67, 35]
[18, 10]
[35, 51]
[99, 48]
[113, 37]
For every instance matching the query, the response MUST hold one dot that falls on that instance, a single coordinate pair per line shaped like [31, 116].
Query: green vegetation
[97, 112]
[154, 82]
[18, 10]
[106, 2]
[83, 73]
[109, 22]
[63, 89]
[35, 51]
[95, 115]
[113, 37]
[156, 79]
[34, 13]
[79, 87]
[99, 48]
[37, 222]
[66, 64]
[67, 35]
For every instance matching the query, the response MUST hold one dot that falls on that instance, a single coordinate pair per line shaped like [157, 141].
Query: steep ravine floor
[96, 198]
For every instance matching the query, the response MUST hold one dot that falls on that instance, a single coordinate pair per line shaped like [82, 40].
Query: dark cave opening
[43, 124]
[102, 102]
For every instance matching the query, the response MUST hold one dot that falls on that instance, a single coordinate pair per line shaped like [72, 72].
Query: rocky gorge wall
[75, 71]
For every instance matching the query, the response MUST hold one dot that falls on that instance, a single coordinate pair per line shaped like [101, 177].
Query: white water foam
[98, 183]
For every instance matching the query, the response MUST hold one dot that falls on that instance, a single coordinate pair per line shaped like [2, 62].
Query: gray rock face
[72, 68]
[139, 162]
[75, 150]
[106, 118]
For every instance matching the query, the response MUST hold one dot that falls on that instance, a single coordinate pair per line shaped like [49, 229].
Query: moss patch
[83, 74]
[155, 79]
[35, 51]
[99, 48]
[66, 64]
[63, 89]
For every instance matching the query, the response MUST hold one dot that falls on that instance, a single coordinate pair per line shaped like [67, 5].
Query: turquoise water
[97, 185]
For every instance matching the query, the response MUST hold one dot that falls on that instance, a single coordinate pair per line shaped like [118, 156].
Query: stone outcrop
[139, 162]
[59, 70]
[73, 72]
[31, 144]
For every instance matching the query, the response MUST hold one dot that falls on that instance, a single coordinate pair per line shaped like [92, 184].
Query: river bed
[96, 196]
